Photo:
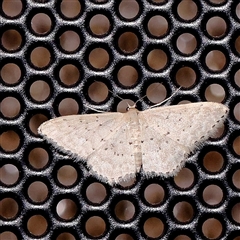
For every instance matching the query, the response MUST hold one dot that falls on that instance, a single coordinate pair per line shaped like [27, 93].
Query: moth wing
[115, 159]
[81, 134]
[176, 131]
[98, 139]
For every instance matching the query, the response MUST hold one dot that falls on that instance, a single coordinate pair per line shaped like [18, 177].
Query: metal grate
[58, 57]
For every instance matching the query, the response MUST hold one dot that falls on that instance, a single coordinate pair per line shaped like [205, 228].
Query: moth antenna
[140, 99]
[96, 110]
[111, 92]
[158, 104]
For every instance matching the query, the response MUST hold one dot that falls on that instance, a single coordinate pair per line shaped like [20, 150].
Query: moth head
[129, 107]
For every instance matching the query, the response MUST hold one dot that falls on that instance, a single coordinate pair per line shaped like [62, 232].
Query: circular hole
[238, 10]
[157, 59]
[123, 105]
[10, 107]
[216, 27]
[186, 43]
[186, 77]
[236, 179]
[187, 10]
[213, 161]
[219, 133]
[95, 226]
[236, 145]
[215, 61]
[41, 23]
[9, 208]
[212, 228]
[36, 121]
[217, 2]
[10, 9]
[183, 211]
[124, 236]
[70, 41]
[9, 174]
[215, 93]
[65, 236]
[124, 210]
[236, 213]
[128, 42]
[127, 76]
[184, 179]
[68, 106]
[237, 45]
[99, 58]
[67, 175]
[9, 141]
[69, 74]
[184, 102]
[37, 225]
[10, 73]
[38, 158]
[70, 9]
[11, 40]
[236, 112]
[8, 236]
[212, 194]
[157, 26]
[40, 91]
[96, 193]
[99, 24]
[40, 57]
[182, 237]
[127, 183]
[156, 92]
[98, 92]
[38, 191]
[66, 209]
[128, 9]
[153, 227]
[154, 194]
[158, 1]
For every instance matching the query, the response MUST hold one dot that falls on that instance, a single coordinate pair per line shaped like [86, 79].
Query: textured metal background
[46, 195]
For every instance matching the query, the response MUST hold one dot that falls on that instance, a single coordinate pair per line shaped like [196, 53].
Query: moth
[117, 145]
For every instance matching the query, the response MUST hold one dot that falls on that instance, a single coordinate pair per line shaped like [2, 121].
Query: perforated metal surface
[51, 55]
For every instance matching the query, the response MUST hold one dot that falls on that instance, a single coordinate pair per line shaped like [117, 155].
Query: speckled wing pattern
[116, 145]
[171, 133]
[97, 139]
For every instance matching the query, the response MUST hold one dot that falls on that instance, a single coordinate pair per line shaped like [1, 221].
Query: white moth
[116, 145]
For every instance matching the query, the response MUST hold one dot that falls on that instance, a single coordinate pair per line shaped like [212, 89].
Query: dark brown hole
[37, 225]
[38, 191]
[154, 194]
[70, 41]
[66, 209]
[41, 23]
[67, 175]
[124, 210]
[96, 193]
